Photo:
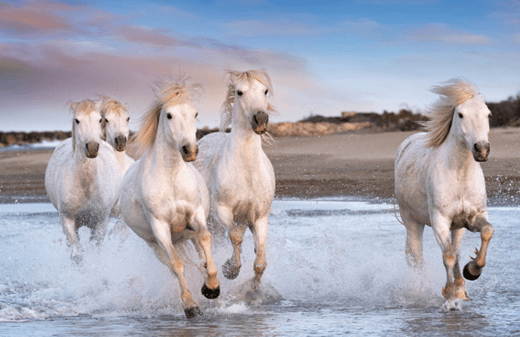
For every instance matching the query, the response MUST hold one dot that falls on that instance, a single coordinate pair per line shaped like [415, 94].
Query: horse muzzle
[120, 142]
[91, 149]
[189, 152]
[481, 151]
[259, 122]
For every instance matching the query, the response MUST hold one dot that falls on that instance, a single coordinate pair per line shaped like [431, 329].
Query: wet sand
[353, 164]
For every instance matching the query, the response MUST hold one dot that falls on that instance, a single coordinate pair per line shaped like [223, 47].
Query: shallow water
[335, 266]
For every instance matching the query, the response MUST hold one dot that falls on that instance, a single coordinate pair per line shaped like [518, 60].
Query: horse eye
[76, 120]
[266, 91]
[196, 115]
[169, 115]
[460, 115]
[239, 93]
[106, 120]
[128, 119]
[101, 120]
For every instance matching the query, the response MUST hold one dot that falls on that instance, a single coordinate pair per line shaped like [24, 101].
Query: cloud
[146, 35]
[363, 27]
[49, 18]
[43, 77]
[280, 27]
[35, 17]
[441, 33]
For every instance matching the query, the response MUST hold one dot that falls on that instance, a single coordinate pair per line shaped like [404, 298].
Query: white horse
[116, 130]
[164, 200]
[238, 173]
[439, 182]
[83, 178]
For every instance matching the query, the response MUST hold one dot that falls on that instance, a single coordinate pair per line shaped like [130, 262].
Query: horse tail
[186, 251]
[395, 212]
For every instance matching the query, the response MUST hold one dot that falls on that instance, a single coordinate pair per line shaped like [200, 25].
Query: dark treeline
[404, 120]
[504, 113]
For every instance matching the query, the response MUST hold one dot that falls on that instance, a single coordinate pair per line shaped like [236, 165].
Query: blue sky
[324, 57]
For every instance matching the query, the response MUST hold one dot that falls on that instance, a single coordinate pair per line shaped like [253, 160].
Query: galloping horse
[439, 182]
[164, 200]
[83, 178]
[116, 130]
[237, 172]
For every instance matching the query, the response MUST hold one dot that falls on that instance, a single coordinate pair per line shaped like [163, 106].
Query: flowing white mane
[453, 93]
[172, 93]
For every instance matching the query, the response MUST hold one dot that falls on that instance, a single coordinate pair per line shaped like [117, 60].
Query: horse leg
[99, 232]
[166, 253]
[414, 241]
[460, 286]
[70, 230]
[441, 229]
[231, 268]
[259, 231]
[211, 288]
[473, 269]
[120, 228]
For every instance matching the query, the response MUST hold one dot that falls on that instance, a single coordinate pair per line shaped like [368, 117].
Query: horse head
[86, 126]
[116, 123]
[462, 112]
[180, 128]
[247, 101]
[471, 123]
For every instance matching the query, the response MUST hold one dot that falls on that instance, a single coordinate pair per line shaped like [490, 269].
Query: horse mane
[112, 105]
[453, 93]
[85, 106]
[235, 77]
[168, 94]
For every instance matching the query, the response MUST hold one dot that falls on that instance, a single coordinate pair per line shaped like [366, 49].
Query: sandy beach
[350, 164]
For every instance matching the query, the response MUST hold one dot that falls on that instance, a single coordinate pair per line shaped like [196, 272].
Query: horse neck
[244, 141]
[459, 155]
[121, 159]
[85, 169]
[164, 157]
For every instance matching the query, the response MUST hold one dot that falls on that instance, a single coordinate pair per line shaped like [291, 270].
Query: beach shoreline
[357, 165]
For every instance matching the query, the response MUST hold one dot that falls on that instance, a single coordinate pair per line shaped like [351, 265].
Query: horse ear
[73, 106]
[98, 105]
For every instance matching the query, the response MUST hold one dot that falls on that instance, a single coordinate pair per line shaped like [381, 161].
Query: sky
[324, 57]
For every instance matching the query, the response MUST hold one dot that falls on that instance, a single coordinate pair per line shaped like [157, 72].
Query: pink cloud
[30, 19]
[146, 35]
[45, 77]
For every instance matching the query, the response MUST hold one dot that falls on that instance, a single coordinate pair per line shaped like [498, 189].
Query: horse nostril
[260, 118]
[185, 149]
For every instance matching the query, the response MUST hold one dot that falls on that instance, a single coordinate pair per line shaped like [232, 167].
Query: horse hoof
[210, 293]
[468, 275]
[229, 271]
[192, 312]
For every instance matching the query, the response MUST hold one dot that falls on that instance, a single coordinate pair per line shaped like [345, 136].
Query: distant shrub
[505, 112]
